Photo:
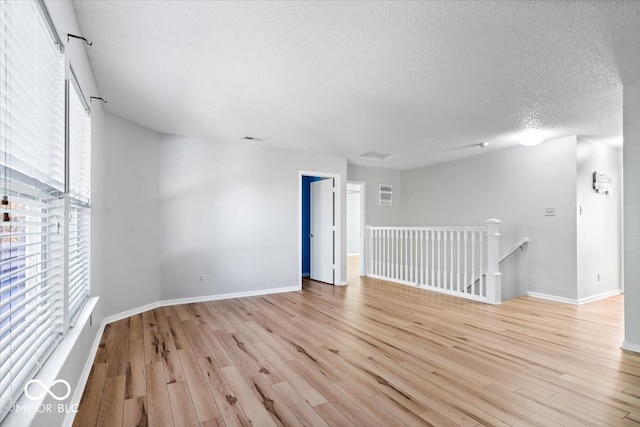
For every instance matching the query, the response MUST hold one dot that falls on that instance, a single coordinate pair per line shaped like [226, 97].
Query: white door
[322, 231]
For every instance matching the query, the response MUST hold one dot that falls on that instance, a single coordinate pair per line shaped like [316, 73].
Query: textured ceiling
[423, 81]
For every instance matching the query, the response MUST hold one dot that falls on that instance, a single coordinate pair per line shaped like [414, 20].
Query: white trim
[553, 298]
[230, 296]
[86, 370]
[337, 207]
[342, 283]
[631, 346]
[363, 224]
[599, 296]
[178, 301]
[132, 312]
[51, 368]
[354, 254]
[84, 376]
[572, 301]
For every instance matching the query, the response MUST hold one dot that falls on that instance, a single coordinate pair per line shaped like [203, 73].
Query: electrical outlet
[201, 278]
[549, 211]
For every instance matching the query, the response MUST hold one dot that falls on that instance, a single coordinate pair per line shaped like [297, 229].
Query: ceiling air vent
[374, 155]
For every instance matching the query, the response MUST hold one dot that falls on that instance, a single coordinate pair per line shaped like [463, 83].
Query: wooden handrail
[520, 244]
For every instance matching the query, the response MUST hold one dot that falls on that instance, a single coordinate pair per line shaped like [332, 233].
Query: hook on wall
[78, 37]
[91, 98]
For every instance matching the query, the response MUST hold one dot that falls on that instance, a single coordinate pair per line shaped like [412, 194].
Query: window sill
[26, 410]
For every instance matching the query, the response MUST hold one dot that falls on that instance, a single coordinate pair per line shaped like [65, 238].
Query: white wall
[229, 212]
[354, 214]
[515, 186]
[373, 177]
[130, 221]
[600, 221]
[631, 149]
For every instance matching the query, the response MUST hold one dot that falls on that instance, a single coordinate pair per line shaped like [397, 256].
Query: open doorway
[355, 229]
[319, 227]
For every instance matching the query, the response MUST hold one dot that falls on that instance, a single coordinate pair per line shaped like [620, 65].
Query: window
[45, 189]
[79, 196]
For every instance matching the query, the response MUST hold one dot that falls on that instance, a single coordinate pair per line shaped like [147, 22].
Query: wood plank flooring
[369, 354]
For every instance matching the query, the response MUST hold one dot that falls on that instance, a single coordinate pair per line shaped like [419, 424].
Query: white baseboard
[599, 296]
[84, 376]
[132, 312]
[229, 296]
[631, 346]
[553, 298]
[574, 301]
[354, 254]
[178, 301]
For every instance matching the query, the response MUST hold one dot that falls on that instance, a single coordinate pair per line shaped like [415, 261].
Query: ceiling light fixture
[483, 144]
[531, 141]
[374, 155]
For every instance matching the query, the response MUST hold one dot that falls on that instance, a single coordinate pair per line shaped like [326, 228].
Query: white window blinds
[32, 162]
[79, 225]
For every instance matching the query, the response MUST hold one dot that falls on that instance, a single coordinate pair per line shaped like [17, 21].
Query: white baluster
[378, 255]
[458, 261]
[422, 259]
[401, 263]
[445, 285]
[439, 266]
[433, 258]
[398, 254]
[416, 265]
[466, 263]
[451, 260]
[369, 265]
[407, 255]
[390, 253]
[398, 249]
[473, 262]
[384, 253]
[393, 253]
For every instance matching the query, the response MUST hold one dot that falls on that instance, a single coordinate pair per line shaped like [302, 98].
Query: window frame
[51, 261]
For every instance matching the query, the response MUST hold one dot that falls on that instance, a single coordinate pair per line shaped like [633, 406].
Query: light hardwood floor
[371, 353]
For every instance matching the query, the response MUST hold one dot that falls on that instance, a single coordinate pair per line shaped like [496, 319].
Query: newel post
[494, 286]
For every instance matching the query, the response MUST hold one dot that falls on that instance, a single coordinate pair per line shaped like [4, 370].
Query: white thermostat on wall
[601, 182]
[385, 195]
